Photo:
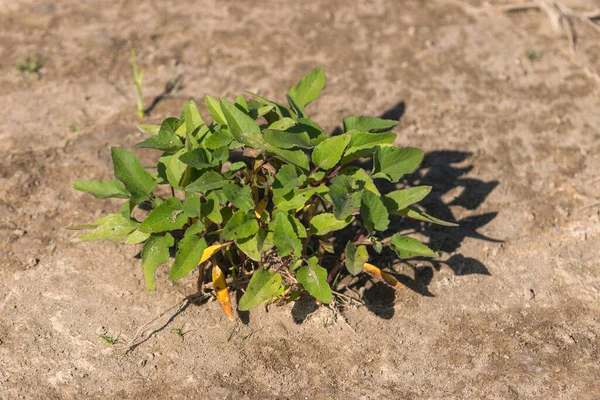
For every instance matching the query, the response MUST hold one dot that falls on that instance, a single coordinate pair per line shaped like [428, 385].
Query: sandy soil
[511, 309]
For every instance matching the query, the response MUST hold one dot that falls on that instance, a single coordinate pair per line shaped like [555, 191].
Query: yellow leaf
[210, 250]
[387, 278]
[260, 207]
[222, 293]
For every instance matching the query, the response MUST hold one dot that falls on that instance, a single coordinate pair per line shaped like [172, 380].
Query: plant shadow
[446, 171]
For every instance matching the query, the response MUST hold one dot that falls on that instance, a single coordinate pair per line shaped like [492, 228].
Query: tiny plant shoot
[262, 195]
[137, 80]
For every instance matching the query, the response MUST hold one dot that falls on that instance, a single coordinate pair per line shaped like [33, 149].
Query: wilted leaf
[387, 278]
[414, 213]
[220, 286]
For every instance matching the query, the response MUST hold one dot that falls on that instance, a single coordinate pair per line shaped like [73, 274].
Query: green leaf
[155, 253]
[136, 237]
[368, 124]
[241, 225]
[295, 199]
[324, 223]
[171, 126]
[313, 278]
[191, 116]
[218, 139]
[296, 157]
[111, 227]
[209, 180]
[199, 158]
[192, 206]
[282, 124]
[363, 144]
[401, 199]
[373, 212]
[262, 287]
[356, 257]
[102, 189]
[286, 180]
[253, 246]
[175, 170]
[210, 208]
[285, 236]
[164, 141]
[344, 201]
[241, 104]
[152, 129]
[214, 108]
[240, 197]
[309, 87]
[166, 217]
[407, 247]
[237, 121]
[392, 163]
[361, 179]
[414, 213]
[189, 252]
[287, 140]
[129, 170]
[328, 153]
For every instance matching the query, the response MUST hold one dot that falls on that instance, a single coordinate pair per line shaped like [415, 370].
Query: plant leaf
[167, 216]
[407, 247]
[324, 223]
[262, 287]
[414, 213]
[392, 163]
[253, 245]
[164, 141]
[241, 225]
[308, 88]
[368, 124]
[199, 158]
[240, 197]
[155, 253]
[373, 212]
[387, 278]
[214, 108]
[210, 209]
[102, 189]
[191, 116]
[192, 206]
[237, 121]
[129, 170]
[285, 236]
[189, 250]
[355, 258]
[110, 227]
[344, 201]
[313, 278]
[329, 152]
[401, 199]
[209, 180]
[136, 237]
[287, 140]
[286, 180]
[220, 286]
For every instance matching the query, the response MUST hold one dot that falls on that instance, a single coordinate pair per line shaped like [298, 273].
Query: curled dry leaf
[222, 292]
[387, 278]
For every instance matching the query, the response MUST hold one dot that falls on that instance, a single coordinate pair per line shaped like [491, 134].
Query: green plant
[261, 192]
[109, 339]
[137, 80]
[534, 55]
[31, 65]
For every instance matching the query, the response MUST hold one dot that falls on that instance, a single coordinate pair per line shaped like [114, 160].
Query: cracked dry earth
[510, 310]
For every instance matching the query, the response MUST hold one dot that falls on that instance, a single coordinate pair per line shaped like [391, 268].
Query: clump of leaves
[31, 65]
[534, 55]
[261, 193]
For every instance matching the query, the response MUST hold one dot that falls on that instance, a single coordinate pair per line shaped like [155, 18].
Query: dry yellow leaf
[387, 278]
[210, 250]
[260, 207]
[222, 292]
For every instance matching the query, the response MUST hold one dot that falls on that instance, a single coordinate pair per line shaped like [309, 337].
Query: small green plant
[31, 65]
[109, 339]
[261, 193]
[137, 80]
[534, 55]
[178, 332]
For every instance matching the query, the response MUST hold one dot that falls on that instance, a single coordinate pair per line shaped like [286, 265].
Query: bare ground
[510, 311]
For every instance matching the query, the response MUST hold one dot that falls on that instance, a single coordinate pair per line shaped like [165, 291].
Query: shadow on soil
[446, 172]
